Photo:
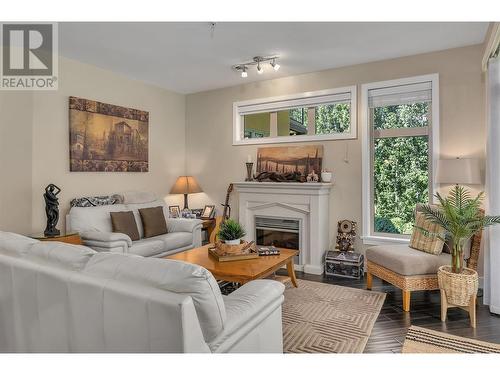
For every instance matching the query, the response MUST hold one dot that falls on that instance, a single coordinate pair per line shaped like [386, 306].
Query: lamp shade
[459, 171]
[186, 185]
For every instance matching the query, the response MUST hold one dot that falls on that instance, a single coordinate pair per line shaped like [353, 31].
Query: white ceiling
[186, 58]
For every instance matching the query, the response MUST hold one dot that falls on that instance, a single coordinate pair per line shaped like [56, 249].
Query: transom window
[310, 116]
[401, 123]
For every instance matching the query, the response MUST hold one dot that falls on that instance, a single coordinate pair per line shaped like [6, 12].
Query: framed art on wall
[107, 138]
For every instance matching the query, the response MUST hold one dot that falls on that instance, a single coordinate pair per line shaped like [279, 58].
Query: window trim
[369, 237]
[277, 103]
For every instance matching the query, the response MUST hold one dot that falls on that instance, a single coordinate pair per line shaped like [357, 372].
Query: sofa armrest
[183, 225]
[106, 239]
[246, 308]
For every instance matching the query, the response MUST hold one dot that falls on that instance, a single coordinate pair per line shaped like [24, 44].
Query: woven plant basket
[459, 287]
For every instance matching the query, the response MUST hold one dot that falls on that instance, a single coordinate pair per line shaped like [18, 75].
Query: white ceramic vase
[326, 176]
[233, 242]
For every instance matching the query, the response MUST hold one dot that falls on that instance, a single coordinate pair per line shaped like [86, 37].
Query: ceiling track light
[259, 68]
[258, 62]
[275, 65]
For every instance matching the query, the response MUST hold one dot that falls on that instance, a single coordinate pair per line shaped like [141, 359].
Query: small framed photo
[174, 211]
[197, 212]
[208, 212]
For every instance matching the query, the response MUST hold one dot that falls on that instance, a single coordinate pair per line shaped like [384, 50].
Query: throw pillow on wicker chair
[426, 243]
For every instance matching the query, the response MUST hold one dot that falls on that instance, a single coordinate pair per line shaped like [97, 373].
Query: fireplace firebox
[279, 232]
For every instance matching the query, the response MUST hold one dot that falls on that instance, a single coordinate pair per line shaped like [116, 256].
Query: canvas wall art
[302, 159]
[107, 138]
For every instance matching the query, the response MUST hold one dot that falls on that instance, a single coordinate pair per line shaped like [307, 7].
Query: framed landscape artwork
[302, 159]
[107, 138]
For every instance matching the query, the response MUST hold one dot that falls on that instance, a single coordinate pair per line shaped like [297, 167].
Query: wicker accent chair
[409, 282]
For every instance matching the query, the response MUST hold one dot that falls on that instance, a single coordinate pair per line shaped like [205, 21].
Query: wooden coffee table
[240, 271]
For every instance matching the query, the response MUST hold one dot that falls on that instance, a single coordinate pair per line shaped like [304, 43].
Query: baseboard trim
[313, 269]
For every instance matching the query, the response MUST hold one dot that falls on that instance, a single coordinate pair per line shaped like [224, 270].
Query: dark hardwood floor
[390, 328]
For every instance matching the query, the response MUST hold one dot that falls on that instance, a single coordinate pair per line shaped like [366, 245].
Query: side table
[71, 238]
[208, 225]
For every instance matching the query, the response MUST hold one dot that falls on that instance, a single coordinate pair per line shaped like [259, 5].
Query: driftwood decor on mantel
[279, 177]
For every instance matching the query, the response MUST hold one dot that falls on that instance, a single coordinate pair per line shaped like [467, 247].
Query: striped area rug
[423, 340]
[324, 318]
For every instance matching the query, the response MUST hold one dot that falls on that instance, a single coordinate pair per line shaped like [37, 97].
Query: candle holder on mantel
[249, 172]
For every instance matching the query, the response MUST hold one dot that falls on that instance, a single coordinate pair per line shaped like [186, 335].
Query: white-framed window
[400, 120]
[309, 116]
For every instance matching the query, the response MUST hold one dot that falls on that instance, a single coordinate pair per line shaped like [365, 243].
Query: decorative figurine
[312, 177]
[346, 235]
[51, 210]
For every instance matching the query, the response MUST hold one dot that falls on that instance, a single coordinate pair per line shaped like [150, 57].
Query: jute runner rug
[423, 340]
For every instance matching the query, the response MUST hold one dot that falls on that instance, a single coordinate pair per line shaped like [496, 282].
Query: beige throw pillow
[427, 243]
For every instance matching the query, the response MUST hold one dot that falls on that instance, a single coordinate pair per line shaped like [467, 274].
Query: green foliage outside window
[333, 118]
[400, 168]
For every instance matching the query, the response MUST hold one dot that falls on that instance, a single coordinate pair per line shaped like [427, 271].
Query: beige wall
[41, 118]
[16, 110]
[215, 162]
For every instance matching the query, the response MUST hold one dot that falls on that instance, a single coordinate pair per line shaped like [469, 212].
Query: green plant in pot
[231, 232]
[461, 217]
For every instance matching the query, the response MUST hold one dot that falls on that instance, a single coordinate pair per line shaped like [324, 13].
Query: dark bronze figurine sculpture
[51, 210]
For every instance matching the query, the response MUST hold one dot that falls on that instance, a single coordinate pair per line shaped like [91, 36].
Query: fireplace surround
[289, 213]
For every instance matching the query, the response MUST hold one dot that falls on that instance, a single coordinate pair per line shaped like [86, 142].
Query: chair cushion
[60, 254]
[427, 242]
[406, 261]
[171, 275]
[153, 221]
[148, 247]
[124, 222]
[177, 240]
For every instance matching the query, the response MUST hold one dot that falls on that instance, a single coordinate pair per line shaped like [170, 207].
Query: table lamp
[459, 171]
[186, 185]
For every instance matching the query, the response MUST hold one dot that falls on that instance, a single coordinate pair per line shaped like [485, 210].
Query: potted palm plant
[231, 232]
[461, 217]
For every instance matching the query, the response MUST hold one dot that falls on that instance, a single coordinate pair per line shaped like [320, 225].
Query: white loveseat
[56, 297]
[94, 226]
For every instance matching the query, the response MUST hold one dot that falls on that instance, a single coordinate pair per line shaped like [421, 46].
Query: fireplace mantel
[307, 202]
[307, 187]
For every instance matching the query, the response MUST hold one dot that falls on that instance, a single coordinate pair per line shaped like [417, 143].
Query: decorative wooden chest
[344, 264]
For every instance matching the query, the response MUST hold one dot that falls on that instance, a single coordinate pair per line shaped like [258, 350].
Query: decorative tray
[227, 253]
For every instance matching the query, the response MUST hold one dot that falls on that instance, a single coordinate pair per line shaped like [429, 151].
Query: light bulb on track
[275, 65]
[259, 69]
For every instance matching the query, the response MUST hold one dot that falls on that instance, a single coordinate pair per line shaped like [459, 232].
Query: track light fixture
[257, 61]
[259, 68]
[275, 65]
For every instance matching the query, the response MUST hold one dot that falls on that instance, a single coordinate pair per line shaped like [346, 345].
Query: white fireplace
[289, 208]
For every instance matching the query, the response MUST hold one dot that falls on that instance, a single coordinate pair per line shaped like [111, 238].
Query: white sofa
[56, 297]
[94, 226]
